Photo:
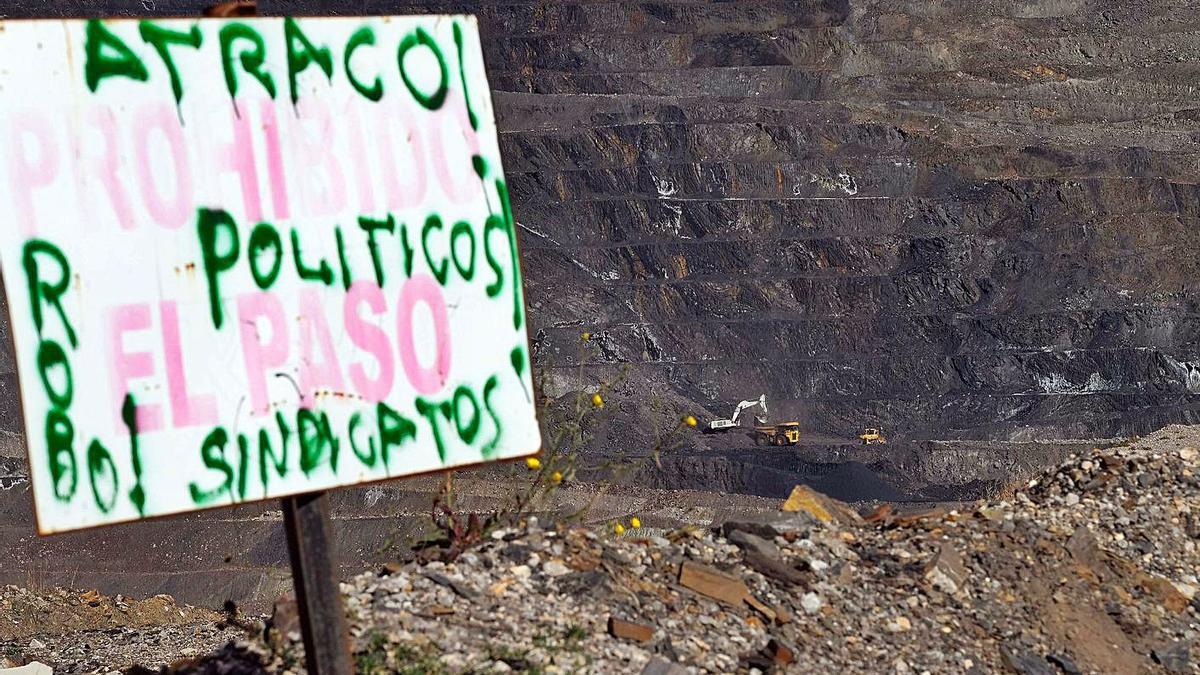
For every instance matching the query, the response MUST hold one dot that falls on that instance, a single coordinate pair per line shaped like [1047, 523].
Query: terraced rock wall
[968, 220]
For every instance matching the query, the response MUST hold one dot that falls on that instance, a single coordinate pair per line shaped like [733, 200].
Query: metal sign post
[318, 600]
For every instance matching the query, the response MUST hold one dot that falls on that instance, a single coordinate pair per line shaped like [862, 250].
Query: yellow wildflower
[533, 463]
[690, 421]
[556, 476]
[635, 523]
[618, 528]
[585, 336]
[598, 400]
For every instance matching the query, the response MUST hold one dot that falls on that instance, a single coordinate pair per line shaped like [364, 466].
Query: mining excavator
[784, 433]
[719, 425]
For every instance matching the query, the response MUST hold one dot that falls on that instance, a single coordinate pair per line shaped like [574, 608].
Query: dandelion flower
[585, 336]
[619, 528]
[533, 463]
[690, 420]
[556, 476]
[598, 400]
[635, 523]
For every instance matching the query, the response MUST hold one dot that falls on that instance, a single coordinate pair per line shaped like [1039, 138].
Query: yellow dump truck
[785, 433]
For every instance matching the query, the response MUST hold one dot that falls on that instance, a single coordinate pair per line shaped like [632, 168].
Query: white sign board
[252, 258]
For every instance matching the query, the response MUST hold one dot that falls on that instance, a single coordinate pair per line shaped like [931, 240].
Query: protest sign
[254, 258]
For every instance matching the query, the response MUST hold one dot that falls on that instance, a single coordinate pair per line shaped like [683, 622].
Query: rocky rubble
[89, 632]
[1089, 568]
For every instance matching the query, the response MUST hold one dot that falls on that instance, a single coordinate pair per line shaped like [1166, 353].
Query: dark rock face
[977, 220]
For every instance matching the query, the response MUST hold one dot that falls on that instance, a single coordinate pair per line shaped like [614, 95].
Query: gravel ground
[86, 632]
[1089, 568]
